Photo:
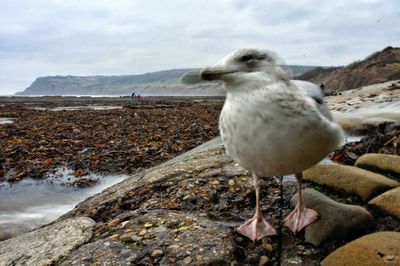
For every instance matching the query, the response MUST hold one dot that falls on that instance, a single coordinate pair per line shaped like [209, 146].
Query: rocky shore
[99, 135]
[184, 211]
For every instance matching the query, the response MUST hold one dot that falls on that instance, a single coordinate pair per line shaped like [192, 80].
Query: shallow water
[77, 108]
[6, 120]
[29, 203]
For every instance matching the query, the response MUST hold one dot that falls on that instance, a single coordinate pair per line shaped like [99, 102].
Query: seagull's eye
[247, 57]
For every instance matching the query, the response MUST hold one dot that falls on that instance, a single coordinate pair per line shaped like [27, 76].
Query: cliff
[161, 83]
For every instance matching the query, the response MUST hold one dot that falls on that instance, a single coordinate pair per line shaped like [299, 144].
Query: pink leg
[256, 227]
[300, 217]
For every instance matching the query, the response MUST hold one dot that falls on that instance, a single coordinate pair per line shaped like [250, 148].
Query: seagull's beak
[215, 73]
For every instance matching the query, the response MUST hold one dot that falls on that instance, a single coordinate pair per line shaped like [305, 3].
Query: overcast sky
[95, 37]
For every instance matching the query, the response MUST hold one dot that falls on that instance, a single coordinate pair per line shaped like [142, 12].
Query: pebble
[127, 237]
[173, 247]
[239, 239]
[123, 224]
[231, 182]
[187, 261]
[157, 253]
[143, 232]
[136, 238]
[263, 261]
[114, 222]
[268, 247]
[215, 183]
[148, 225]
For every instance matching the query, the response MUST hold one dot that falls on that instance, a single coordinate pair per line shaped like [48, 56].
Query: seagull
[272, 126]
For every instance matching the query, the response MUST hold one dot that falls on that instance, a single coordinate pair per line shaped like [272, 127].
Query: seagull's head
[243, 61]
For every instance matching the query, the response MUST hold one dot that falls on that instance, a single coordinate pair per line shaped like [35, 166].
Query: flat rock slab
[161, 237]
[388, 202]
[383, 163]
[336, 220]
[48, 244]
[363, 183]
[376, 249]
[184, 210]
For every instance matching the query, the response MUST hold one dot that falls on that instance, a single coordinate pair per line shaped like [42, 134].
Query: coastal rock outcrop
[388, 202]
[381, 248]
[184, 212]
[383, 163]
[363, 183]
[347, 219]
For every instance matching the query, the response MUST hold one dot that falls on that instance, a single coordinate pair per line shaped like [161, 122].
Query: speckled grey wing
[316, 94]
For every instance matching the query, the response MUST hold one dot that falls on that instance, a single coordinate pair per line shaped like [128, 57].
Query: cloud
[50, 37]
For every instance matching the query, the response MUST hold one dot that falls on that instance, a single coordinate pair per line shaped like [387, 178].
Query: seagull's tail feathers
[368, 116]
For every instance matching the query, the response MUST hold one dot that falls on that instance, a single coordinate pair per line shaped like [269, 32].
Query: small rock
[382, 163]
[239, 239]
[293, 261]
[157, 253]
[148, 225]
[268, 247]
[388, 202]
[136, 238]
[143, 232]
[336, 220]
[215, 183]
[173, 247]
[123, 224]
[263, 261]
[351, 179]
[187, 261]
[127, 237]
[114, 222]
[231, 182]
[382, 248]
[124, 216]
